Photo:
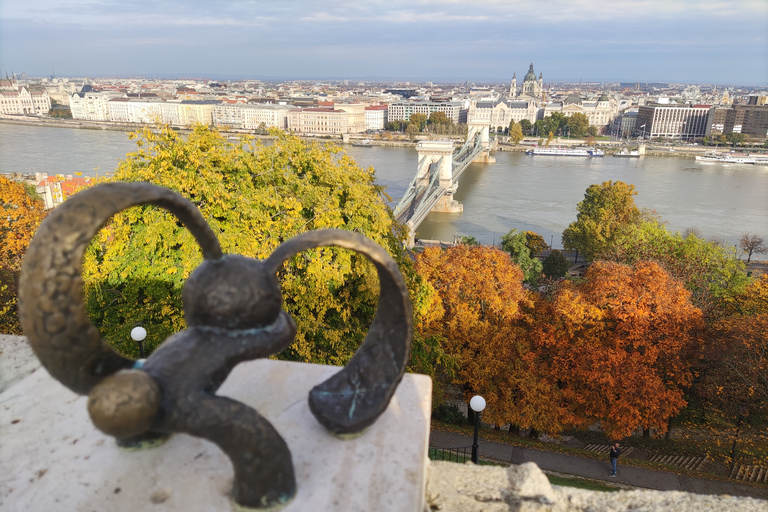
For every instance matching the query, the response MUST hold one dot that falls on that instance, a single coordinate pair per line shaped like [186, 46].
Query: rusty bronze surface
[232, 306]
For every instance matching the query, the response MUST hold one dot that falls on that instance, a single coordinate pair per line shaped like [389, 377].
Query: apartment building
[375, 117]
[403, 110]
[672, 121]
[336, 120]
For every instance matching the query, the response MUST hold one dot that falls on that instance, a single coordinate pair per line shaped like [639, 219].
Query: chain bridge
[437, 177]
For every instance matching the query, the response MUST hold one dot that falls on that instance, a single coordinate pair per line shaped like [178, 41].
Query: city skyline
[705, 41]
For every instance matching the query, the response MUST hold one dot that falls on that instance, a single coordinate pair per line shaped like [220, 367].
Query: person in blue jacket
[615, 452]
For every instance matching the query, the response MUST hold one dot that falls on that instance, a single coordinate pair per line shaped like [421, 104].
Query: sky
[687, 41]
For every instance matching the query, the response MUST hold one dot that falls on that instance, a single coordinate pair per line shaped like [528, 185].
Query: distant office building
[628, 123]
[672, 121]
[500, 114]
[751, 120]
[18, 100]
[720, 121]
[92, 105]
[375, 117]
[403, 110]
[150, 111]
[335, 120]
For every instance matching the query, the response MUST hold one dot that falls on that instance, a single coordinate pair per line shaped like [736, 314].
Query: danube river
[518, 191]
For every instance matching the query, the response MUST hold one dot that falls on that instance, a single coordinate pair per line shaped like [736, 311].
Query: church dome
[530, 76]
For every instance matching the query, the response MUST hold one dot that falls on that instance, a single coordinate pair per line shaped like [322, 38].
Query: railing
[460, 454]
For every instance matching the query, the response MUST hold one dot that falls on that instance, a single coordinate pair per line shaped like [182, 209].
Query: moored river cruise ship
[588, 152]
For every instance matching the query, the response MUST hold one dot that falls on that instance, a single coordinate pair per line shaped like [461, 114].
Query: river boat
[625, 153]
[725, 158]
[587, 152]
[363, 143]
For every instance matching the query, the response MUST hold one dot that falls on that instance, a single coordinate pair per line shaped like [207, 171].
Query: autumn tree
[254, 197]
[607, 210]
[535, 243]
[437, 117]
[21, 212]
[516, 245]
[555, 265]
[752, 244]
[515, 133]
[618, 345]
[707, 269]
[482, 325]
[734, 378]
[749, 300]
[420, 120]
[578, 124]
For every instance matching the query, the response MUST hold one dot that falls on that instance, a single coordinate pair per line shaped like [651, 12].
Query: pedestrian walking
[615, 452]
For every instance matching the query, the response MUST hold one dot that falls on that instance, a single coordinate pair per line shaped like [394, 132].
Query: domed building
[532, 87]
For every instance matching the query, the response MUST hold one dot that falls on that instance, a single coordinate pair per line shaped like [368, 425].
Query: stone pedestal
[447, 204]
[53, 458]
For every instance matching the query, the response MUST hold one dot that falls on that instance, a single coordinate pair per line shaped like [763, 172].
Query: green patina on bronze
[233, 309]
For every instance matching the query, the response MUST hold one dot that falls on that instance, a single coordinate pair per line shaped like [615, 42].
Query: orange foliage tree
[482, 325]
[618, 346]
[20, 215]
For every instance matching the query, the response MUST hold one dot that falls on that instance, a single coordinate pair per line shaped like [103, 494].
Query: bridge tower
[440, 153]
[483, 128]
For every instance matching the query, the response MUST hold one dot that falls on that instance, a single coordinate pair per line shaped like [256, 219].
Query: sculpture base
[53, 458]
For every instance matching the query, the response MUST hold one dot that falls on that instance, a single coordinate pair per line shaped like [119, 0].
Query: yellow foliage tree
[254, 197]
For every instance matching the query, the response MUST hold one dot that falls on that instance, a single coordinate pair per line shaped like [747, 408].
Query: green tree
[515, 133]
[592, 131]
[515, 244]
[578, 124]
[606, 210]
[420, 120]
[469, 240]
[526, 126]
[438, 118]
[535, 243]
[555, 265]
[254, 197]
[412, 130]
[707, 269]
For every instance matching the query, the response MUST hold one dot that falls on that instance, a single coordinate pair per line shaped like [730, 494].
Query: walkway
[595, 469]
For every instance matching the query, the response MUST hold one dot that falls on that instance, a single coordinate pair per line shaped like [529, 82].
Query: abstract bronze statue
[232, 306]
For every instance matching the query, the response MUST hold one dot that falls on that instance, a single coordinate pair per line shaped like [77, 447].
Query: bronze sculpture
[233, 311]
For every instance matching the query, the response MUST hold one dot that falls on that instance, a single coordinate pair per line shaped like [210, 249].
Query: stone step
[683, 461]
[750, 473]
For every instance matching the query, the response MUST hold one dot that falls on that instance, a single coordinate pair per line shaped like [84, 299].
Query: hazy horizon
[678, 41]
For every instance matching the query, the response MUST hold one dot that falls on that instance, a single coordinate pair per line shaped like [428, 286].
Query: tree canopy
[578, 124]
[481, 301]
[21, 212]
[618, 345]
[706, 268]
[607, 210]
[515, 132]
[254, 198]
[516, 244]
[555, 265]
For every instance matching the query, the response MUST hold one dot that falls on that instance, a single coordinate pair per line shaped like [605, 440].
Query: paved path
[595, 469]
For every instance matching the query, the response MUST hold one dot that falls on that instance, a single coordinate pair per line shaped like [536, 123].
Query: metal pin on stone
[232, 306]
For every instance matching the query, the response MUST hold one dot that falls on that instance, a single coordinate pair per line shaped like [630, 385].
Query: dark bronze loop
[356, 396]
[51, 306]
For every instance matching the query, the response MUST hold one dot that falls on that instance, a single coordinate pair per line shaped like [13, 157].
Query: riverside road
[595, 469]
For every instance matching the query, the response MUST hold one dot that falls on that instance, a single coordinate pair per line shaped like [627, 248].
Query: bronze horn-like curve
[356, 396]
[51, 306]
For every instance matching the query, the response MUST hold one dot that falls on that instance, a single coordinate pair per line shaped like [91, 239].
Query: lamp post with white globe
[477, 404]
[138, 334]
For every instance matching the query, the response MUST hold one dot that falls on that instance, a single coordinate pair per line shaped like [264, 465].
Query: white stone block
[53, 458]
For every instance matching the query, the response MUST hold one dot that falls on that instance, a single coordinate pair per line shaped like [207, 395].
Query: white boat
[588, 152]
[363, 143]
[726, 158]
[628, 154]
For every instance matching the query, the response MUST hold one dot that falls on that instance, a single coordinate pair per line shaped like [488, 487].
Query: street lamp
[138, 334]
[477, 404]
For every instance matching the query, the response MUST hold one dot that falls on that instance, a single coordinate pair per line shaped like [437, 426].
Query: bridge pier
[439, 152]
[484, 129]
